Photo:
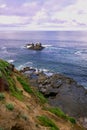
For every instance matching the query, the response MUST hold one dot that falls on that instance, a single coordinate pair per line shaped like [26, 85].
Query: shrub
[2, 96]
[72, 120]
[58, 112]
[10, 107]
[45, 121]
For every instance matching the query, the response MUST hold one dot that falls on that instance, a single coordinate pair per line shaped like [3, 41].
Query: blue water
[65, 52]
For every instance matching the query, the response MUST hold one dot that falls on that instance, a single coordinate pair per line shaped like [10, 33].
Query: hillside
[22, 107]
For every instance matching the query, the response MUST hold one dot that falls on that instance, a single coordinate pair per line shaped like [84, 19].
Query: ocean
[65, 52]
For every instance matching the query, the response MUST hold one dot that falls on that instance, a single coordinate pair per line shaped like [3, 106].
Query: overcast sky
[43, 14]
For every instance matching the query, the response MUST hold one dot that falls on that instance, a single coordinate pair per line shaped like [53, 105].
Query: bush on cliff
[58, 112]
[45, 121]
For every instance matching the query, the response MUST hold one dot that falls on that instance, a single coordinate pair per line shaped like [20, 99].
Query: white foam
[10, 61]
[46, 71]
[47, 45]
[25, 65]
[4, 48]
[20, 67]
[78, 52]
[82, 54]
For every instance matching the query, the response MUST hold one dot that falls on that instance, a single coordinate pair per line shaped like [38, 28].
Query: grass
[2, 96]
[40, 96]
[25, 85]
[14, 90]
[28, 89]
[5, 73]
[10, 107]
[1, 128]
[47, 122]
[3, 68]
[71, 119]
[58, 112]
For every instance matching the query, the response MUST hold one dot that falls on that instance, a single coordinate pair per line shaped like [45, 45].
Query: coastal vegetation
[45, 121]
[21, 105]
[10, 106]
[58, 112]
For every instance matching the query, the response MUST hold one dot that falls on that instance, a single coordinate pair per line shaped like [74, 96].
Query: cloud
[3, 6]
[40, 14]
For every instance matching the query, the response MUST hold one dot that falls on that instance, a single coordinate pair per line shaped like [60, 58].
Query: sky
[43, 15]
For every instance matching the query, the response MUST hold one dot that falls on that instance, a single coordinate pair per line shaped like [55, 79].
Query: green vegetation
[71, 119]
[5, 73]
[10, 107]
[2, 96]
[0, 74]
[14, 90]
[58, 112]
[28, 89]
[45, 121]
[1, 128]
[25, 85]
[40, 96]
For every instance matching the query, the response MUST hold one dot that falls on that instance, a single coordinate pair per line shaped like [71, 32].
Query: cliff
[22, 107]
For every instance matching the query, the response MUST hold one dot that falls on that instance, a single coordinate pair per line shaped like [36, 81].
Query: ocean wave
[30, 64]
[3, 48]
[47, 46]
[82, 52]
[11, 61]
[46, 71]
[78, 52]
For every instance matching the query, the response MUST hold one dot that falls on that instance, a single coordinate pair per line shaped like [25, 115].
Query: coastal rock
[63, 92]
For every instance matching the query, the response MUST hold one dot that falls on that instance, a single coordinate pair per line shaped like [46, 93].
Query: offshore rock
[37, 46]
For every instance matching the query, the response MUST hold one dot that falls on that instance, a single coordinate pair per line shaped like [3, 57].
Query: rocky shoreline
[61, 91]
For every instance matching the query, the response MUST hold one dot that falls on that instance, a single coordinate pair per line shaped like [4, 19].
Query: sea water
[65, 52]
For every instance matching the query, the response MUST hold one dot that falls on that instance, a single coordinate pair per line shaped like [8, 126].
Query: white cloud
[3, 6]
[53, 14]
[8, 20]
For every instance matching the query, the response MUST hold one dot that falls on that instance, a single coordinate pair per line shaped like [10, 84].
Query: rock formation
[63, 92]
[37, 46]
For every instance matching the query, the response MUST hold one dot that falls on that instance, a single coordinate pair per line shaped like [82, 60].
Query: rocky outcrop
[4, 86]
[37, 46]
[22, 107]
[63, 92]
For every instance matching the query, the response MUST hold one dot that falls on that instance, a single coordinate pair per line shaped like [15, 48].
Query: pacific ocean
[65, 52]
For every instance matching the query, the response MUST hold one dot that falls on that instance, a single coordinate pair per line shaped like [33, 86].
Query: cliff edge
[22, 107]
